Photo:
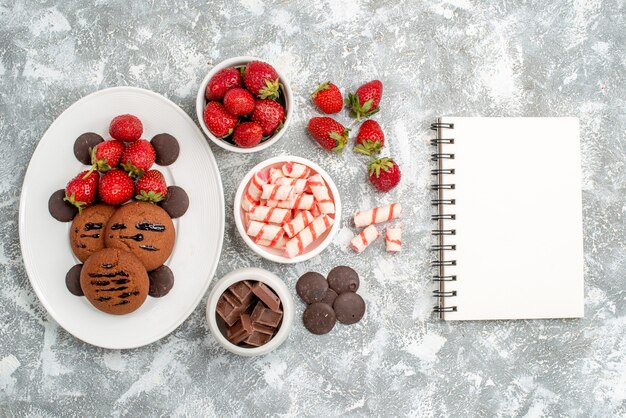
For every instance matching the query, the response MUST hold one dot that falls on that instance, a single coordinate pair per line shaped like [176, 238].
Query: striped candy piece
[308, 235]
[267, 214]
[320, 192]
[296, 171]
[298, 223]
[260, 231]
[253, 193]
[377, 215]
[275, 192]
[393, 238]
[303, 201]
[365, 238]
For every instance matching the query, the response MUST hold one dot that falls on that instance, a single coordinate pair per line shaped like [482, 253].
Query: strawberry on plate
[151, 187]
[248, 134]
[370, 138]
[261, 79]
[384, 174]
[126, 128]
[269, 114]
[328, 98]
[329, 133]
[218, 121]
[138, 157]
[221, 82]
[238, 101]
[107, 155]
[81, 190]
[366, 99]
[116, 187]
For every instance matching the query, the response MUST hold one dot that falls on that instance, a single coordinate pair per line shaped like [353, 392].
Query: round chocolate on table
[349, 308]
[343, 279]
[319, 318]
[60, 209]
[72, 280]
[311, 287]
[166, 148]
[176, 202]
[329, 297]
[82, 145]
[161, 281]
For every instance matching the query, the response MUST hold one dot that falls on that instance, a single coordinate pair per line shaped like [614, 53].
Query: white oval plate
[199, 232]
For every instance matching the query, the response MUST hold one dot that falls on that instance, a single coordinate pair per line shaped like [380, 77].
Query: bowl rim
[257, 248]
[253, 274]
[200, 104]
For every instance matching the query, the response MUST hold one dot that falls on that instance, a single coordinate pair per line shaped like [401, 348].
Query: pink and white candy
[298, 223]
[270, 215]
[253, 193]
[280, 244]
[296, 171]
[377, 215]
[393, 238]
[304, 238]
[361, 241]
[298, 184]
[275, 192]
[260, 231]
[320, 191]
[304, 201]
[275, 174]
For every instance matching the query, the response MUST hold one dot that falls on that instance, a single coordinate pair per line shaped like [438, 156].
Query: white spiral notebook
[508, 218]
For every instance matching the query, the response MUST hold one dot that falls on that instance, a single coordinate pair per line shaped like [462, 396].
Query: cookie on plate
[143, 229]
[87, 231]
[114, 281]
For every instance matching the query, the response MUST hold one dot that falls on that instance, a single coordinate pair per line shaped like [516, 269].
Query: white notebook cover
[518, 206]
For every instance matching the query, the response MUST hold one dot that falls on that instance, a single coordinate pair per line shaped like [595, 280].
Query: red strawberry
[107, 155]
[238, 101]
[328, 98]
[269, 114]
[126, 128]
[116, 187]
[384, 174]
[219, 122]
[138, 157]
[370, 138]
[248, 134]
[366, 99]
[151, 187]
[329, 133]
[221, 82]
[261, 79]
[81, 190]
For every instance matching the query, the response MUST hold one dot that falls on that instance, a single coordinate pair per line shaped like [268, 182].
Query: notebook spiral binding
[441, 231]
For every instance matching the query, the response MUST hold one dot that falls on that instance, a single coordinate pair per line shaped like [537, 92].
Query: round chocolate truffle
[311, 287]
[176, 202]
[343, 279]
[161, 281]
[329, 297]
[72, 280]
[82, 145]
[349, 308]
[166, 148]
[319, 318]
[60, 209]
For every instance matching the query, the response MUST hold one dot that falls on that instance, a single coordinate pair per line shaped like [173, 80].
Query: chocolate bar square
[264, 316]
[267, 296]
[260, 335]
[240, 330]
[228, 308]
[241, 291]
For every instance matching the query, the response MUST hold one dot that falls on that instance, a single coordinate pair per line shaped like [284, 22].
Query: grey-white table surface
[463, 57]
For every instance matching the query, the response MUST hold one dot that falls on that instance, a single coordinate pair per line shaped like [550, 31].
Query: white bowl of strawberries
[244, 104]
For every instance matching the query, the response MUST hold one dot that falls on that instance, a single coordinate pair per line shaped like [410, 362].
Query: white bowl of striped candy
[287, 209]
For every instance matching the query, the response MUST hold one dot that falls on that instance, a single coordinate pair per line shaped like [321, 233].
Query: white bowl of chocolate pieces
[330, 299]
[250, 312]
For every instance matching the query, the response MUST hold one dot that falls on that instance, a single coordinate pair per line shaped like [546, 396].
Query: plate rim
[22, 219]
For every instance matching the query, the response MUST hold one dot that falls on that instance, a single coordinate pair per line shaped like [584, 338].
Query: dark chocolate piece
[329, 297]
[82, 145]
[319, 318]
[161, 281]
[349, 307]
[242, 291]
[240, 330]
[228, 308]
[176, 202]
[343, 279]
[262, 315]
[60, 209]
[267, 296]
[311, 287]
[72, 280]
[166, 148]
[260, 335]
